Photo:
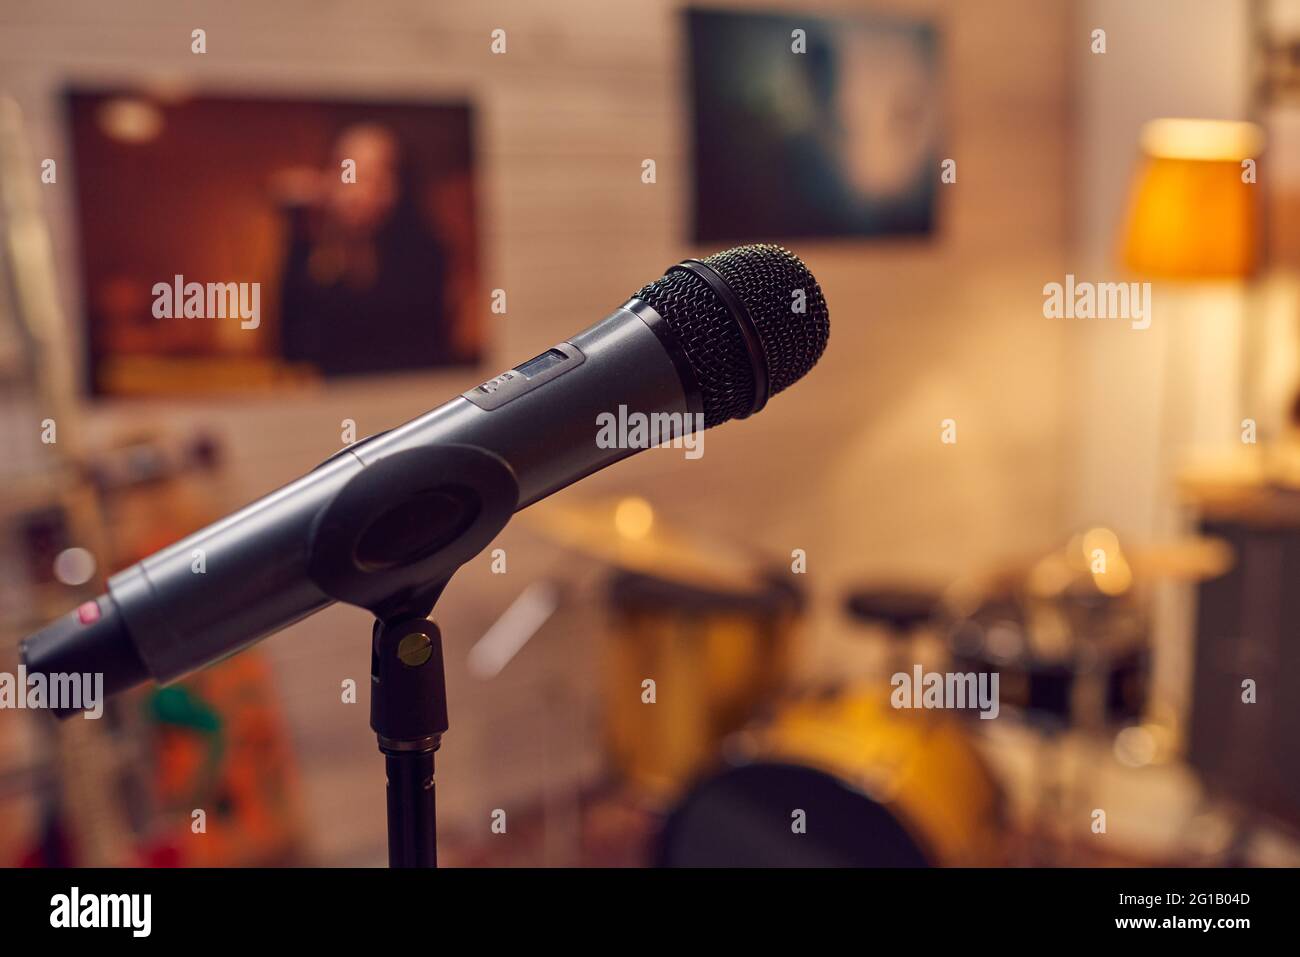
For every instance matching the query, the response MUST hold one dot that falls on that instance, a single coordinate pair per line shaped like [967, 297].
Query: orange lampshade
[1193, 214]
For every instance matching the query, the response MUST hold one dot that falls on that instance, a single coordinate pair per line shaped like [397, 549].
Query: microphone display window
[539, 364]
[526, 377]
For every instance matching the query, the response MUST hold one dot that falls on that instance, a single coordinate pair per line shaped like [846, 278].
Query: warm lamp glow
[1221, 140]
[1193, 210]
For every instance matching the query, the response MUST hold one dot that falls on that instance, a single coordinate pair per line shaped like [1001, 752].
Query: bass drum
[843, 781]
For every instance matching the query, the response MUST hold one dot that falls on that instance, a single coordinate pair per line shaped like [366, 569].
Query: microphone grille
[787, 310]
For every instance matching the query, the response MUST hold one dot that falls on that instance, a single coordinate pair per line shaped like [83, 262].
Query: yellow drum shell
[714, 661]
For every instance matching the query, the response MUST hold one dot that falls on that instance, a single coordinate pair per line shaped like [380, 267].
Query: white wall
[1163, 58]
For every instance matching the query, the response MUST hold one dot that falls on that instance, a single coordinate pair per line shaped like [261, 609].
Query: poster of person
[809, 126]
[229, 244]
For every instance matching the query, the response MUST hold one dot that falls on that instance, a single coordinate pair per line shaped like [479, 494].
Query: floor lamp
[1193, 230]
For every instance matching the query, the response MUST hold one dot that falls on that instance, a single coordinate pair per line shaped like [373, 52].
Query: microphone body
[243, 577]
[385, 521]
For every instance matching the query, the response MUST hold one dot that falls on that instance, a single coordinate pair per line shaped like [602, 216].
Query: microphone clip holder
[389, 541]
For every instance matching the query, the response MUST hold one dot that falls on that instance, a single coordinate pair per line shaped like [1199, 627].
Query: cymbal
[1195, 558]
[627, 534]
[1188, 559]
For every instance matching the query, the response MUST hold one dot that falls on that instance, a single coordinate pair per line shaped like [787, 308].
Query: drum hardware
[700, 637]
[1070, 636]
[903, 610]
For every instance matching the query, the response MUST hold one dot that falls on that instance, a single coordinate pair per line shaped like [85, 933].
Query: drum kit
[749, 768]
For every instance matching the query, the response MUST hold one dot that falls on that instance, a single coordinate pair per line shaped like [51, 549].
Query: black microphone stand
[389, 541]
[408, 712]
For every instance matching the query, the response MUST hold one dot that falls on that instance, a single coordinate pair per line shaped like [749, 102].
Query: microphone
[386, 520]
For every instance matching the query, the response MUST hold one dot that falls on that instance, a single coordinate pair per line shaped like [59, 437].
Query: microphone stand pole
[408, 712]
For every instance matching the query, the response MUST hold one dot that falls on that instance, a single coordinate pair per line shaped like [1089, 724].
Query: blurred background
[1105, 512]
